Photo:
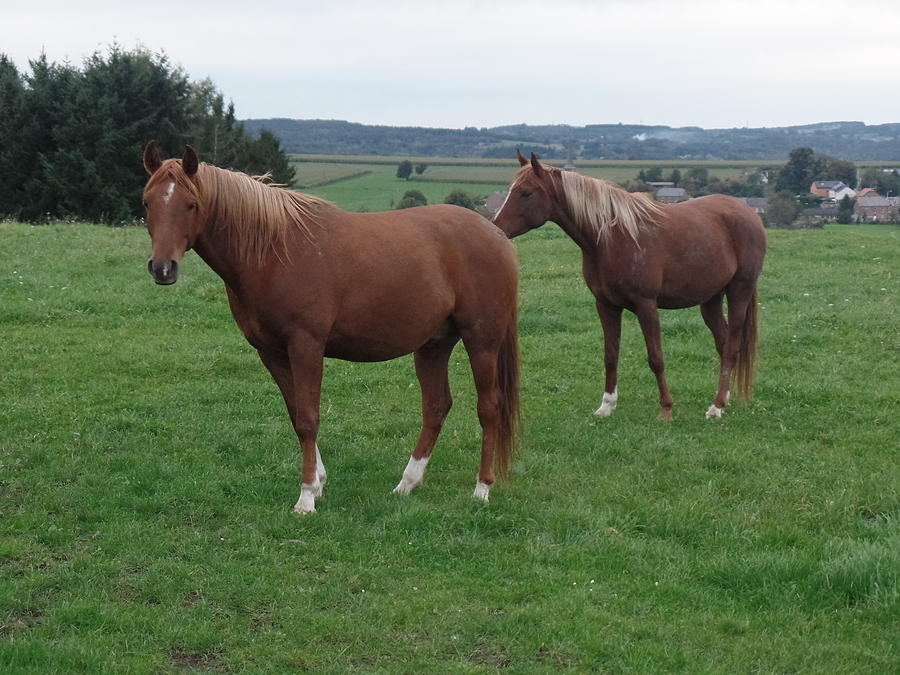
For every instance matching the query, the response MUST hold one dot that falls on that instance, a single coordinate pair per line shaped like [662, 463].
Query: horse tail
[746, 357]
[508, 381]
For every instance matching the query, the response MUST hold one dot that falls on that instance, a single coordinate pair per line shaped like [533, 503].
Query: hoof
[307, 502]
[482, 492]
[413, 475]
[608, 404]
[714, 412]
[404, 487]
[665, 415]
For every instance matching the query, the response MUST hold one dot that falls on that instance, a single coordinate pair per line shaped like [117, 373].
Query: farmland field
[148, 470]
[369, 183]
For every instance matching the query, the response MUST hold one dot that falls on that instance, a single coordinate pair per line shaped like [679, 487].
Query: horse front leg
[306, 362]
[648, 316]
[279, 367]
[431, 369]
[611, 322]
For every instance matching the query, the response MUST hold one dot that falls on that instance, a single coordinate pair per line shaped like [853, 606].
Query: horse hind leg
[739, 297]
[714, 318]
[431, 369]
[648, 316]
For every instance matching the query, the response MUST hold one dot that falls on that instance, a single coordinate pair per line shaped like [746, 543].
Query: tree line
[72, 137]
[850, 140]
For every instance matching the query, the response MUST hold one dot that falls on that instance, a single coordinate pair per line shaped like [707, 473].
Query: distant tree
[831, 168]
[804, 167]
[698, 175]
[887, 183]
[404, 169]
[642, 176]
[461, 198]
[265, 156]
[74, 136]
[412, 198]
[796, 175]
[676, 176]
[783, 210]
[13, 158]
[653, 174]
[845, 210]
[420, 168]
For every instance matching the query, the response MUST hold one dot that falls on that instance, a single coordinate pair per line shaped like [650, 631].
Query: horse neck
[214, 250]
[586, 241]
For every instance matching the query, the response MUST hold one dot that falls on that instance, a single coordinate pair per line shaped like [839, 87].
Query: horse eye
[526, 193]
[191, 207]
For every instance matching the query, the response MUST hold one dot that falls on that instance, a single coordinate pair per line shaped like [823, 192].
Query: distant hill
[847, 140]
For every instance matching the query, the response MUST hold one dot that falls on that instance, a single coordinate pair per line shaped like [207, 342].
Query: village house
[671, 195]
[833, 190]
[758, 204]
[877, 209]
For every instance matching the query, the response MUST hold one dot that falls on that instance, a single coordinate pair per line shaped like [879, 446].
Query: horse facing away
[306, 280]
[639, 255]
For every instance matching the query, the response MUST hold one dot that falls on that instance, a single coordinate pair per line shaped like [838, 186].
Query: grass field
[369, 183]
[148, 470]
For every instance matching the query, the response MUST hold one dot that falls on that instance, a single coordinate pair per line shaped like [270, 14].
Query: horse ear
[521, 158]
[152, 160]
[189, 161]
[536, 165]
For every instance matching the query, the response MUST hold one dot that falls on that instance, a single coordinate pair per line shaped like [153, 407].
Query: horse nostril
[150, 266]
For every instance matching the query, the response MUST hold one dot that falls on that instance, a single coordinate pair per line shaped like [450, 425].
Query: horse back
[390, 281]
[716, 227]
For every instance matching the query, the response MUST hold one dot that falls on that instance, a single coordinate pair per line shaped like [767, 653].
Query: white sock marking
[608, 404]
[308, 494]
[169, 192]
[412, 475]
[320, 468]
[482, 491]
[714, 412]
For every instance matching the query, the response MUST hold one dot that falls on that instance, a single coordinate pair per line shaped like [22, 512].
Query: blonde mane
[598, 206]
[255, 217]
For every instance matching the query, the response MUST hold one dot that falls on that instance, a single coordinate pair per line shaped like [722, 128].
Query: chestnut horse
[306, 280]
[639, 255]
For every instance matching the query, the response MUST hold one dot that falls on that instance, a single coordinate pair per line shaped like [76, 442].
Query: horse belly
[382, 331]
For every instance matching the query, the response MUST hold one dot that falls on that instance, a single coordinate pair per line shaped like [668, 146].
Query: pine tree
[14, 156]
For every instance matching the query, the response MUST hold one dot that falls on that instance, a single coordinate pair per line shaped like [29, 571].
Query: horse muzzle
[164, 274]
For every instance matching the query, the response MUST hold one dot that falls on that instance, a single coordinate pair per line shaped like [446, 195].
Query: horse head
[530, 201]
[174, 219]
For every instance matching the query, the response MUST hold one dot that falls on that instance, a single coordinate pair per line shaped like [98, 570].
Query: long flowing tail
[746, 358]
[508, 381]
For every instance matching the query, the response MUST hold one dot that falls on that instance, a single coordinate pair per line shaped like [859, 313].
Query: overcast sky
[717, 63]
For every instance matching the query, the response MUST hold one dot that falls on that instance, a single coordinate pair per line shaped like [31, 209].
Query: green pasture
[148, 470]
[382, 190]
[369, 183]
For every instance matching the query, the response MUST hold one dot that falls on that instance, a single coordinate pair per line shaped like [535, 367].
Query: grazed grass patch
[147, 472]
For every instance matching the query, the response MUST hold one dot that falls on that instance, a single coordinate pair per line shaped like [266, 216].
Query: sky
[713, 64]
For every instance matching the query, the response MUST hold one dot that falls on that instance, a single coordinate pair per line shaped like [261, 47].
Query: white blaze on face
[497, 215]
[169, 192]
